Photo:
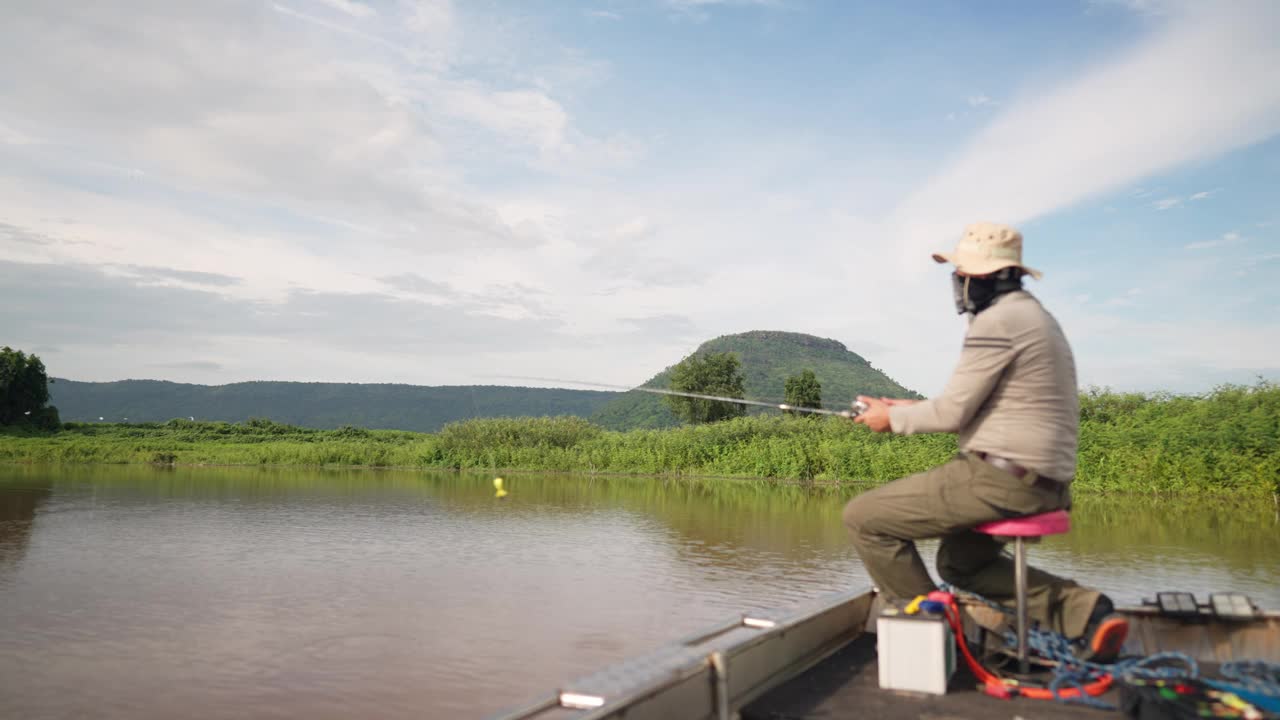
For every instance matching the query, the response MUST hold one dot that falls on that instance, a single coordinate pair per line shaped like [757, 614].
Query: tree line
[1226, 442]
[24, 392]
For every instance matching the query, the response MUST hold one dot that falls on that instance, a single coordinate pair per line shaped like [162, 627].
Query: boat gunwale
[691, 655]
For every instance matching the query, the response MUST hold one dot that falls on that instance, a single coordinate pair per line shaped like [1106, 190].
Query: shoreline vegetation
[1225, 442]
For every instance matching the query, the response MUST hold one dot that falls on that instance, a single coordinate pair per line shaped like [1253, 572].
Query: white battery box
[917, 653]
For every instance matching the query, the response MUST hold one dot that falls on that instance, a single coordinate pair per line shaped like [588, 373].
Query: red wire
[1096, 687]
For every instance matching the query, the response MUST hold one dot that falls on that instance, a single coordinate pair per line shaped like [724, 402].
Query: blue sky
[439, 192]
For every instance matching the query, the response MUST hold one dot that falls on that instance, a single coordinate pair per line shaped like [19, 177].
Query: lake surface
[145, 592]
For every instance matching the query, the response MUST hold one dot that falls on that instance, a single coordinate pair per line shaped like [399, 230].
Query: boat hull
[718, 672]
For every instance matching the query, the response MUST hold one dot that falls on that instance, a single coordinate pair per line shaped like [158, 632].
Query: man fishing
[1012, 399]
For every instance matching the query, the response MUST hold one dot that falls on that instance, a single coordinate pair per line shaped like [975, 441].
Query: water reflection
[19, 503]
[288, 593]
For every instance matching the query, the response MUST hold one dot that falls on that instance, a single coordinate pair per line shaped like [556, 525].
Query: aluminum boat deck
[846, 685]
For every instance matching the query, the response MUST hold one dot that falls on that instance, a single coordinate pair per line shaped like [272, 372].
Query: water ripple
[325, 595]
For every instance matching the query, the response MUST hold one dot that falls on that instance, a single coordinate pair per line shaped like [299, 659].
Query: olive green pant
[946, 502]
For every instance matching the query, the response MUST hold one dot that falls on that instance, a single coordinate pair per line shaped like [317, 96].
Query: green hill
[315, 405]
[768, 359]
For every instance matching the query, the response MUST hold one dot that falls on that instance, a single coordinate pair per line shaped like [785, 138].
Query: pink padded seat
[1025, 530]
[1050, 523]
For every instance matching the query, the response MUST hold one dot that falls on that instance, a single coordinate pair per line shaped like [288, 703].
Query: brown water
[226, 593]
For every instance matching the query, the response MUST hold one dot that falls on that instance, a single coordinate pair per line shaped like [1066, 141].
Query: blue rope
[1256, 677]
[1253, 676]
[1073, 672]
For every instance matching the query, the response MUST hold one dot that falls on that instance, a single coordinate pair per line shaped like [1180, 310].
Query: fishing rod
[856, 408]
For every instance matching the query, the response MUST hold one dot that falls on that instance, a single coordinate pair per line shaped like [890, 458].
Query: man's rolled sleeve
[982, 361]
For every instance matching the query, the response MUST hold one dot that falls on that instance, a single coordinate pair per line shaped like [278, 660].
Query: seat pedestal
[1025, 530]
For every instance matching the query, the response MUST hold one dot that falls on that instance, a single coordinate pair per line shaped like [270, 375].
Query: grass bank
[1223, 442]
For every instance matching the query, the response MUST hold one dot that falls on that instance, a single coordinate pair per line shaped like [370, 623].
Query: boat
[819, 659]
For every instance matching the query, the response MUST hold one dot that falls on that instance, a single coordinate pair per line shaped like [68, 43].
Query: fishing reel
[857, 407]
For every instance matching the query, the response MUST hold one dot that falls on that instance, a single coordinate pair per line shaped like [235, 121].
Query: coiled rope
[1258, 681]
[1075, 680]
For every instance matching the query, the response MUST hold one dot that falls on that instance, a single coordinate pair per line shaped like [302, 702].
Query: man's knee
[859, 513]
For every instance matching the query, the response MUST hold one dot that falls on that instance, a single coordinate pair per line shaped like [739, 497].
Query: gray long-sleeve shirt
[1013, 392]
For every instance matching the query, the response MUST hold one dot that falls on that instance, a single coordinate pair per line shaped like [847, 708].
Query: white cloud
[1138, 7]
[604, 14]
[1114, 124]
[349, 7]
[10, 136]
[1173, 201]
[1235, 350]
[386, 160]
[710, 3]
[1230, 238]
[370, 137]
[524, 117]
[437, 33]
[1117, 123]
[339, 27]
[1128, 299]
[699, 10]
[1257, 260]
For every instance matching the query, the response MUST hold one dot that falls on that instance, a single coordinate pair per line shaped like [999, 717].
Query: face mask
[973, 295]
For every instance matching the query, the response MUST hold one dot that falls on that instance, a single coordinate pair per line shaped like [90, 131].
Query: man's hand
[896, 401]
[876, 416]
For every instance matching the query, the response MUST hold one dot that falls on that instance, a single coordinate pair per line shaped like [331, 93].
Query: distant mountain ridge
[319, 405]
[768, 358]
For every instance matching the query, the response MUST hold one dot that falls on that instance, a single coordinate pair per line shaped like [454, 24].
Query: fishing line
[856, 409]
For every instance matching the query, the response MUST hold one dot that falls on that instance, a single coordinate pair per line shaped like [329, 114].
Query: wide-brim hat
[986, 248]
